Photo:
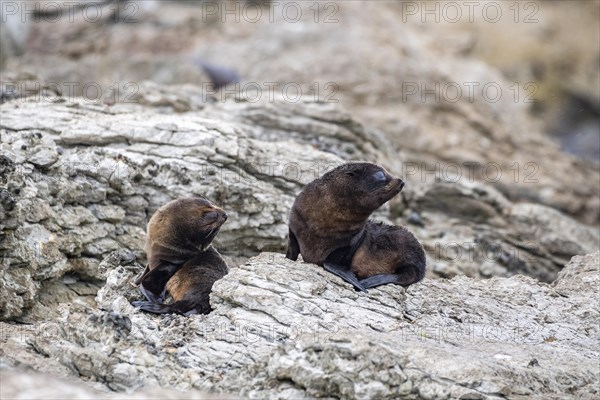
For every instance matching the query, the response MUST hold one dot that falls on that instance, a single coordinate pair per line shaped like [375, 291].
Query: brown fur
[329, 225]
[181, 229]
[331, 211]
[190, 287]
[389, 249]
[180, 256]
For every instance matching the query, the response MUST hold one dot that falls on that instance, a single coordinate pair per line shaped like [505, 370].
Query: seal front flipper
[345, 274]
[382, 279]
[150, 306]
[141, 276]
[183, 307]
[156, 280]
[293, 247]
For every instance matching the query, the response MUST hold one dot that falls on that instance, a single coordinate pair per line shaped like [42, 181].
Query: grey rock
[103, 171]
[90, 201]
[558, 233]
[19, 385]
[402, 83]
[283, 329]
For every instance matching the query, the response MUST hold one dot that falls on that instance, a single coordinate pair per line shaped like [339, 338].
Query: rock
[21, 386]
[559, 234]
[23, 84]
[559, 78]
[13, 32]
[81, 180]
[88, 201]
[500, 239]
[281, 329]
[428, 91]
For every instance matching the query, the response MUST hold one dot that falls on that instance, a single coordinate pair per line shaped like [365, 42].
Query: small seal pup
[328, 224]
[388, 254]
[180, 256]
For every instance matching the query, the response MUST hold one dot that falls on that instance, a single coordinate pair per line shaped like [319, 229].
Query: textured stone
[115, 166]
[23, 386]
[283, 329]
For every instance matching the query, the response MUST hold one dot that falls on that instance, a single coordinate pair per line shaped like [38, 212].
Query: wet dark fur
[328, 221]
[389, 249]
[178, 247]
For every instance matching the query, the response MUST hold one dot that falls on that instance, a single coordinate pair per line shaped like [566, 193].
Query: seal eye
[379, 176]
[210, 216]
[350, 173]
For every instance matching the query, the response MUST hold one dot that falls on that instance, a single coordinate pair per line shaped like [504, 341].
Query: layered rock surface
[441, 108]
[80, 180]
[283, 329]
[25, 386]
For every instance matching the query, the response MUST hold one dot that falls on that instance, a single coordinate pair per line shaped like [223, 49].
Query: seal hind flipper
[379, 280]
[150, 306]
[407, 277]
[293, 247]
[345, 274]
[156, 280]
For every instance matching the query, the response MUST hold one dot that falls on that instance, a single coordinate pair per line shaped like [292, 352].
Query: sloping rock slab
[283, 329]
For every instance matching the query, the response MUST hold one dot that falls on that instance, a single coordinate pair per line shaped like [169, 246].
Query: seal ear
[293, 247]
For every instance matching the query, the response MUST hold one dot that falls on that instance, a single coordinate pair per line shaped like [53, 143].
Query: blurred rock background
[545, 52]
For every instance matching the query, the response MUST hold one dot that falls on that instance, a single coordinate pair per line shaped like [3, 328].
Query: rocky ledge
[284, 330]
[79, 180]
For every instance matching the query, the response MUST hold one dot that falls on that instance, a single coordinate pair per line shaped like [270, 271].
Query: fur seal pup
[328, 224]
[178, 243]
[388, 254]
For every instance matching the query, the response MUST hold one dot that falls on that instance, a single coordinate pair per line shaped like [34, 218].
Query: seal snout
[221, 214]
[395, 184]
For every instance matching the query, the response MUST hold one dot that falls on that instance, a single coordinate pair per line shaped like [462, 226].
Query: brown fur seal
[328, 224]
[179, 250]
[388, 254]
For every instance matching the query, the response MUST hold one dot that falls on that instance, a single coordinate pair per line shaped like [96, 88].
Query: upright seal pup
[178, 245]
[328, 225]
